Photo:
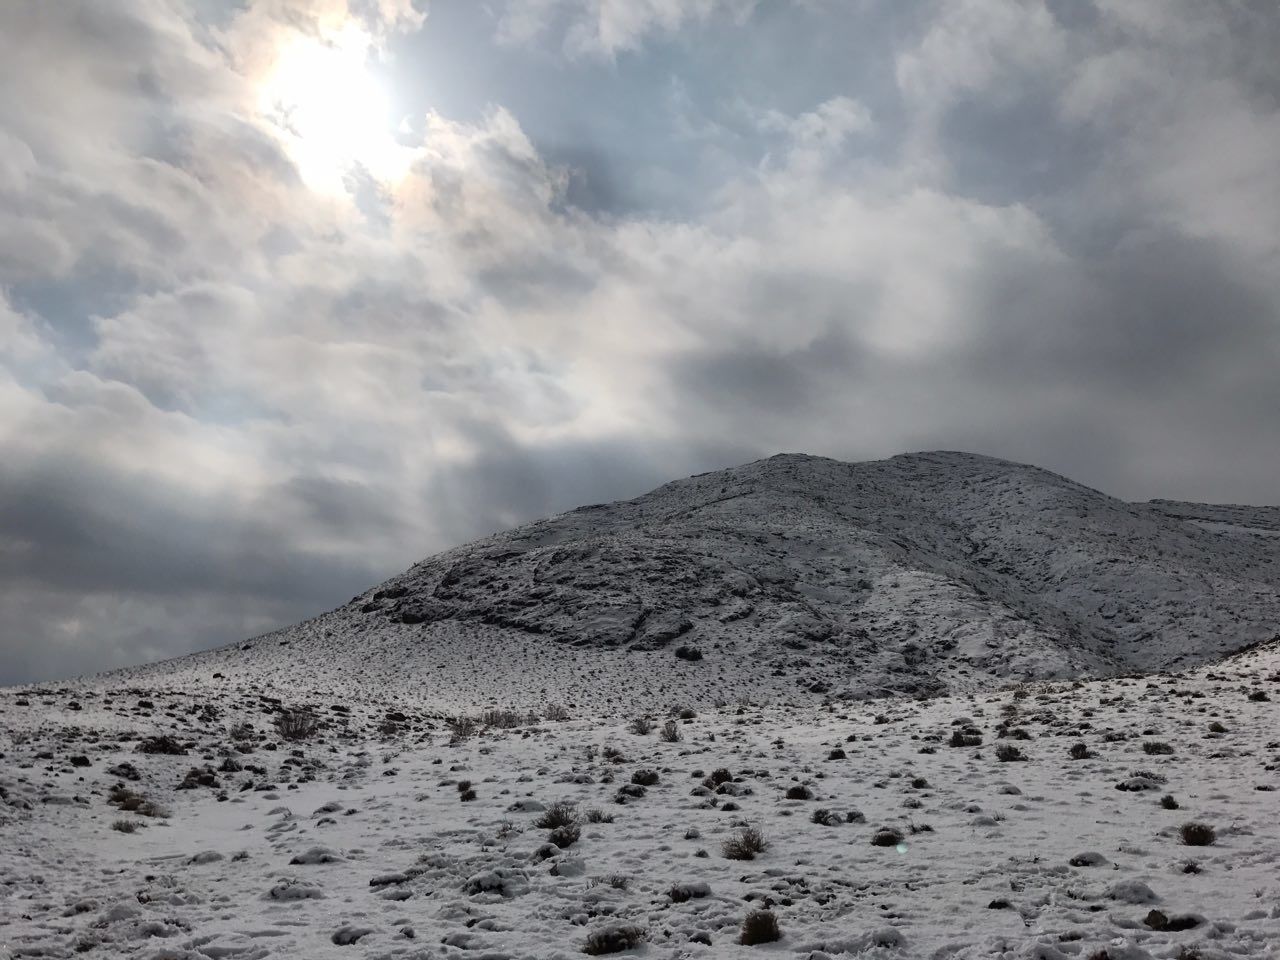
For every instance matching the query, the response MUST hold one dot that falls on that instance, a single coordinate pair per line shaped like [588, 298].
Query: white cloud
[605, 28]
[294, 380]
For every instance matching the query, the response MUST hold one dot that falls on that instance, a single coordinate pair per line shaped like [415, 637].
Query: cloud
[605, 28]
[232, 396]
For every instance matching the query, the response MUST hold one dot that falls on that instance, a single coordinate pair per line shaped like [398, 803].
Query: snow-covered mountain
[921, 573]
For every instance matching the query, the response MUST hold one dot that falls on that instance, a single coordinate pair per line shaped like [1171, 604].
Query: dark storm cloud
[70, 524]
[509, 481]
[244, 375]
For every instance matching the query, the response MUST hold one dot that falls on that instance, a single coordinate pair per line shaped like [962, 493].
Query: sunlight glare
[331, 112]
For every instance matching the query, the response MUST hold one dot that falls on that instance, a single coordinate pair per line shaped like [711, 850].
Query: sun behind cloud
[321, 97]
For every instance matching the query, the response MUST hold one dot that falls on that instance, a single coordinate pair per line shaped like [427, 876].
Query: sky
[294, 293]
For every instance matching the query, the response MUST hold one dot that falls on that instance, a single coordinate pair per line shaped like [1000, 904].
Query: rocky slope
[920, 573]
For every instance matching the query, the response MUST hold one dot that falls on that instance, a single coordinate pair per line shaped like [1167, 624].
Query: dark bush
[692, 654]
[1168, 802]
[566, 836]
[1080, 751]
[886, 837]
[799, 792]
[1156, 748]
[760, 926]
[824, 818]
[296, 725]
[131, 801]
[614, 938]
[1008, 753]
[645, 778]
[1197, 834]
[684, 892]
[968, 737]
[502, 718]
[560, 814]
[671, 732]
[163, 745]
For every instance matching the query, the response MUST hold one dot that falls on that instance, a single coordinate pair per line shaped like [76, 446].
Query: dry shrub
[760, 926]
[745, 844]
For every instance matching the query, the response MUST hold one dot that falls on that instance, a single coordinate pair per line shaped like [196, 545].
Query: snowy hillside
[791, 576]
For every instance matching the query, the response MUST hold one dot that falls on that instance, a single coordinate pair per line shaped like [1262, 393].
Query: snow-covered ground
[356, 842]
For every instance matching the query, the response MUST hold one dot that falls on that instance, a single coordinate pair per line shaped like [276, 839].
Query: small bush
[691, 654]
[614, 938]
[502, 718]
[1008, 753]
[1157, 748]
[836, 754]
[671, 732]
[163, 745]
[466, 796]
[745, 844]
[556, 712]
[1217, 727]
[1079, 751]
[886, 837]
[296, 725]
[645, 778]
[562, 813]
[824, 818]
[130, 801]
[1258, 696]
[641, 726]
[968, 737]
[126, 826]
[1197, 834]
[760, 926]
[684, 892]
[566, 836]
[461, 728]
[799, 792]
[596, 815]
[1168, 802]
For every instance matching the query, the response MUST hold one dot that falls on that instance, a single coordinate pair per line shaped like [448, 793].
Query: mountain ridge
[802, 576]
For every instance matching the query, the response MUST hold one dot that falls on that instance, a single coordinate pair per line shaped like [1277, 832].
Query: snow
[364, 836]
[851, 617]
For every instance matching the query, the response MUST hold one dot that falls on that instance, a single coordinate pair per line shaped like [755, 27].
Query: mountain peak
[796, 574]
